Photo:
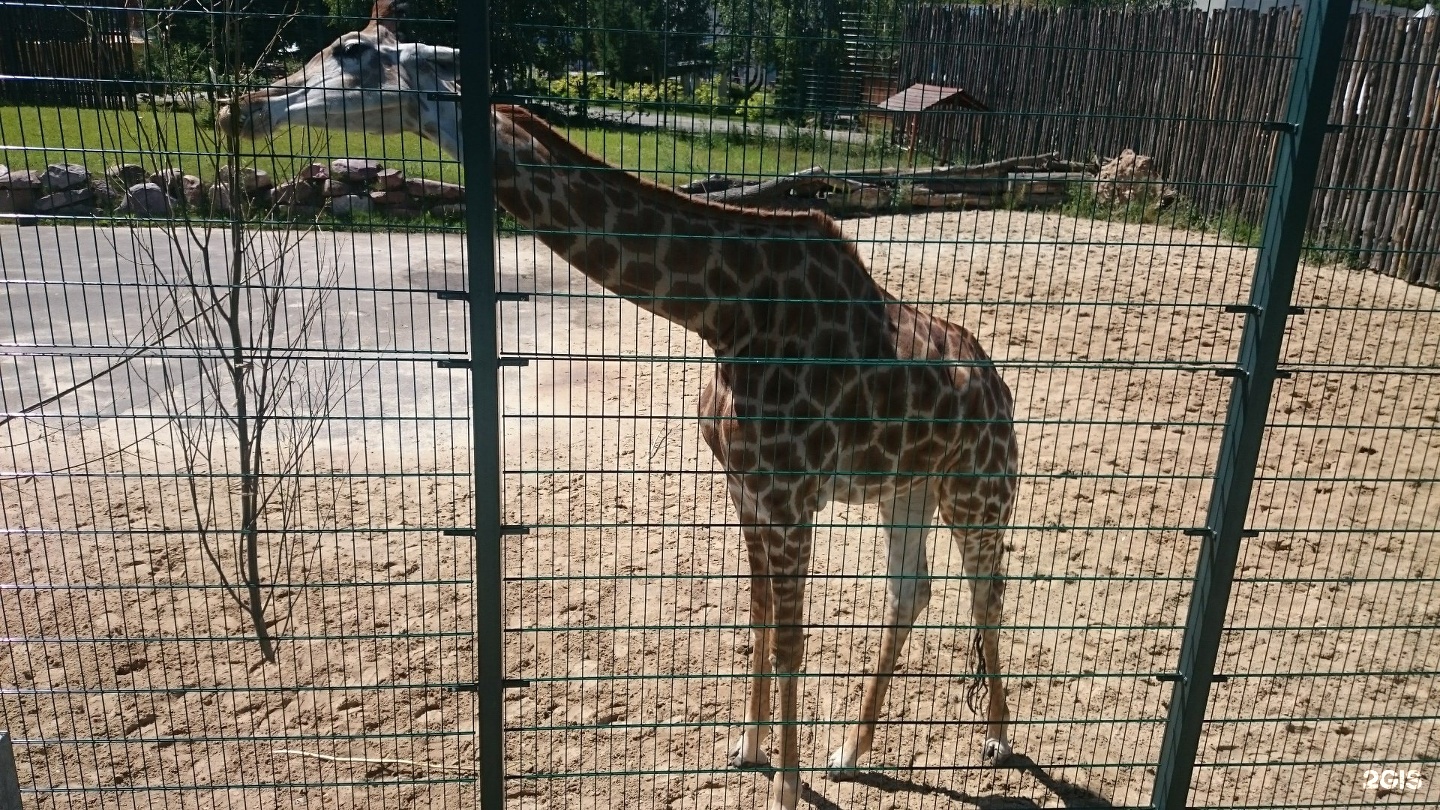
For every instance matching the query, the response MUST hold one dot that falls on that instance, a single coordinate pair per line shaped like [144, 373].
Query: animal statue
[825, 387]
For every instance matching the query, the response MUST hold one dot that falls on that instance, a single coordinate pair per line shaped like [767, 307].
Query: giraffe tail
[977, 687]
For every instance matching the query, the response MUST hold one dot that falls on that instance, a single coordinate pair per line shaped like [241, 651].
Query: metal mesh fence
[236, 410]
[190, 364]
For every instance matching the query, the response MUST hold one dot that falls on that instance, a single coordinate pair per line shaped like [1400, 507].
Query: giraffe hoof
[995, 752]
[840, 767]
[738, 758]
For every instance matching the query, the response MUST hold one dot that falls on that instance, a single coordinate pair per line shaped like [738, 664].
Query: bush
[642, 96]
[576, 87]
[759, 106]
[716, 96]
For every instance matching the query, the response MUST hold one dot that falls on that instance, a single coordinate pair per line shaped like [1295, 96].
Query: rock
[449, 210]
[435, 189]
[126, 174]
[390, 179]
[1131, 177]
[251, 180]
[219, 199]
[17, 200]
[341, 188]
[315, 171]
[108, 193]
[146, 200]
[168, 179]
[192, 191]
[390, 197]
[350, 205]
[19, 179]
[64, 176]
[296, 192]
[355, 169]
[65, 202]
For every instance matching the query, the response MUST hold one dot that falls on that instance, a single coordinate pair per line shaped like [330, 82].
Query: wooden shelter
[918, 107]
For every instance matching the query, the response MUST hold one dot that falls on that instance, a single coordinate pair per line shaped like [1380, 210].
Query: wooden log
[961, 200]
[1049, 161]
[791, 191]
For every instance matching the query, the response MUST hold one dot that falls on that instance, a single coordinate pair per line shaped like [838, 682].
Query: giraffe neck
[727, 274]
[431, 71]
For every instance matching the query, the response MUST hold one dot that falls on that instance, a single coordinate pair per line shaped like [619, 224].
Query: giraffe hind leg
[975, 516]
[980, 551]
[908, 519]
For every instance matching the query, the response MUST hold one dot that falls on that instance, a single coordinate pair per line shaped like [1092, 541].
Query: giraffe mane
[539, 129]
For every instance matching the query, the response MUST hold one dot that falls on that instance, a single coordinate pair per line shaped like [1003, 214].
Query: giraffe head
[365, 80]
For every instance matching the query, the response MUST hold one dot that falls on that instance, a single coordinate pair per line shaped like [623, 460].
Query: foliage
[242, 34]
[760, 106]
[716, 96]
[178, 63]
[643, 96]
[583, 87]
[713, 97]
[802, 41]
[638, 40]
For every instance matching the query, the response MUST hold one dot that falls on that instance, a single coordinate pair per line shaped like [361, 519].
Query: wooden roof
[920, 97]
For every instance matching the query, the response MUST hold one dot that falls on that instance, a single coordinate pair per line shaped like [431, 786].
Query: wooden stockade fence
[67, 56]
[1197, 90]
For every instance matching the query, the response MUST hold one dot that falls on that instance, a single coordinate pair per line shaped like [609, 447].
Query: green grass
[159, 139]
[1178, 214]
[674, 158]
[162, 138]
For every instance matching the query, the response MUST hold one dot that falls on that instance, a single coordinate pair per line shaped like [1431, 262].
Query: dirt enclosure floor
[626, 601]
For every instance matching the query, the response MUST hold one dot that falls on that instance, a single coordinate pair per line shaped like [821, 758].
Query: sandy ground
[1109, 335]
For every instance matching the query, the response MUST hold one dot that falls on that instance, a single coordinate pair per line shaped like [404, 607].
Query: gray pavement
[83, 308]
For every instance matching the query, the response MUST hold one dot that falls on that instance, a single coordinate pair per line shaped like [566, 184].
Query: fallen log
[1047, 162]
[803, 189]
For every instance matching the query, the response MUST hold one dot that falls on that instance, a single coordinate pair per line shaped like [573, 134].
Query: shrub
[716, 96]
[586, 87]
[759, 106]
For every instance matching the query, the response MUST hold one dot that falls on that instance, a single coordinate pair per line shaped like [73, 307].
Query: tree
[643, 40]
[236, 306]
[801, 41]
[253, 33]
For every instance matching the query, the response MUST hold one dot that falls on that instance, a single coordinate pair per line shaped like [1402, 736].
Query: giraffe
[825, 387]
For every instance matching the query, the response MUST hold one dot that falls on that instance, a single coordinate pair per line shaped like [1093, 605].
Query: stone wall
[345, 188]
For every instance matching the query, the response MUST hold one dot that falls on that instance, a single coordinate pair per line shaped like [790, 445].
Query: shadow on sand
[1070, 795]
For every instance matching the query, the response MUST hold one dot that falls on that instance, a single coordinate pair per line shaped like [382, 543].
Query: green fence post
[9, 779]
[474, 21]
[1301, 134]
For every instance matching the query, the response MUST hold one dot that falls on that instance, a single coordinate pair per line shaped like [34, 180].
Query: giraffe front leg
[747, 751]
[778, 514]
[789, 641]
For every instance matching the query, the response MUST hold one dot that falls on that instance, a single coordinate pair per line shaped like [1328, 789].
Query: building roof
[920, 97]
